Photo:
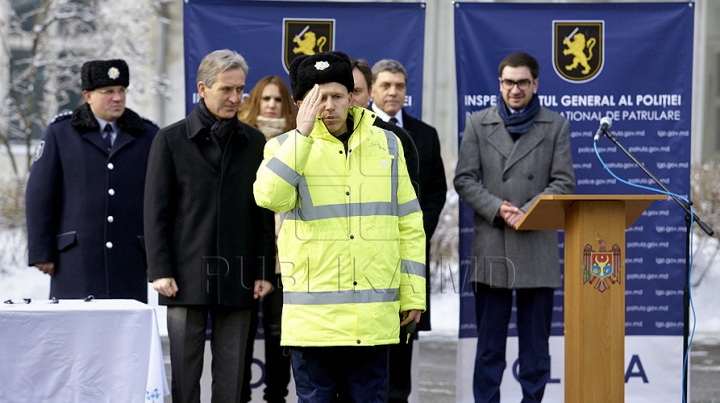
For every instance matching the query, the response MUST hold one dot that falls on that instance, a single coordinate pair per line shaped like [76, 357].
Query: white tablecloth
[75, 351]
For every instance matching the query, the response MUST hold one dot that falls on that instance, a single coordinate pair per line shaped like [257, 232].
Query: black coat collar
[84, 121]
[195, 127]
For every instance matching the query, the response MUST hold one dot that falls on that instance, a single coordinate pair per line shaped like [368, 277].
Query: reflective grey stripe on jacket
[341, 297]
[413, 267]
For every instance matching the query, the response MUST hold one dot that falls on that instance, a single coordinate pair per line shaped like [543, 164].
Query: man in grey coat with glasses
[510, 154]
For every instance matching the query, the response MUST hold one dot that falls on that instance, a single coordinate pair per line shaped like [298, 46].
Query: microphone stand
[688, 227]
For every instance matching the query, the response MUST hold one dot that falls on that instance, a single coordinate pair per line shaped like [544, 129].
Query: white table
[75, 351]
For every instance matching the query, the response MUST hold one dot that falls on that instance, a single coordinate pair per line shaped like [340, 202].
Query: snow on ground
[17, 281]
[706, 294]
[445, 318]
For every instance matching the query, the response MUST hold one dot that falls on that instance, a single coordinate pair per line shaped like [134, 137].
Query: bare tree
[45, 46]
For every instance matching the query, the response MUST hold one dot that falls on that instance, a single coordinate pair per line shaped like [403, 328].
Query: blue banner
[270, 34]
[631, 63]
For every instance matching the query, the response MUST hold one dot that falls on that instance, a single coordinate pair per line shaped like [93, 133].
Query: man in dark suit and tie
[388, 94]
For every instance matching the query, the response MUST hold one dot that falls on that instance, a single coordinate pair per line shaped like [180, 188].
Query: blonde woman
[269, 107]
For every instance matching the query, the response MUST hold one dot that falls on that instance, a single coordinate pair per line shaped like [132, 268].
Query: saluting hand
[308, 111]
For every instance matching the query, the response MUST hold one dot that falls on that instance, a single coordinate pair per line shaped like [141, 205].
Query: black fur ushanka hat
[104, 73]
[320, 68]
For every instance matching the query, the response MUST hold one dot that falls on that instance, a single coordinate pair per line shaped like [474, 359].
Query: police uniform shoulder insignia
[61, 116]
[39, 150]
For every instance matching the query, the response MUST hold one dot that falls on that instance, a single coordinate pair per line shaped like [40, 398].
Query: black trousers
[400, 369]
[186, 330]
[359, 373]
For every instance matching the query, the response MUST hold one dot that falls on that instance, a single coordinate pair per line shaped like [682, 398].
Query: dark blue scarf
[519, 122]
[219, 127]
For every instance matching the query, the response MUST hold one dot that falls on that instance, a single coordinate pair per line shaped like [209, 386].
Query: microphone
[605, 123]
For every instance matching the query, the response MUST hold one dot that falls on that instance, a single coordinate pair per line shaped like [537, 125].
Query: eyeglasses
[120, 91]
[522, 84]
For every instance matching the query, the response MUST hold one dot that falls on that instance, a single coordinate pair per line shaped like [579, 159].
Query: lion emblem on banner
[602, 268]
[308, 42]
[305, 37]
[576, 47]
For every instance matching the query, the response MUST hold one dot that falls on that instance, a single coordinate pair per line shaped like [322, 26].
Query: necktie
[107, 134]
[393, 120]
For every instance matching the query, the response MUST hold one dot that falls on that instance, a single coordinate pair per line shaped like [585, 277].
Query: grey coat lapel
[497, 136]
[524, 145]
[527, 141]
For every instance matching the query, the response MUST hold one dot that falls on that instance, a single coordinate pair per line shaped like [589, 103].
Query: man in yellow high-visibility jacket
[352, 246]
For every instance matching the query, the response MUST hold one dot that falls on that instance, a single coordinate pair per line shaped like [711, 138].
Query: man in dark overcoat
[211, 249]
[84, 198]
[510, 154]
[389, 88]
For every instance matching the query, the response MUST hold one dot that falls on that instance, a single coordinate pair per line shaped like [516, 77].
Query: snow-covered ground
[706, 294]
[18, 281]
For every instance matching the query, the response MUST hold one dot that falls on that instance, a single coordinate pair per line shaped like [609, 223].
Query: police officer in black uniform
[84, 198]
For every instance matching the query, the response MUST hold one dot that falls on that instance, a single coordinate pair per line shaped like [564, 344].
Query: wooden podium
[594, 286]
